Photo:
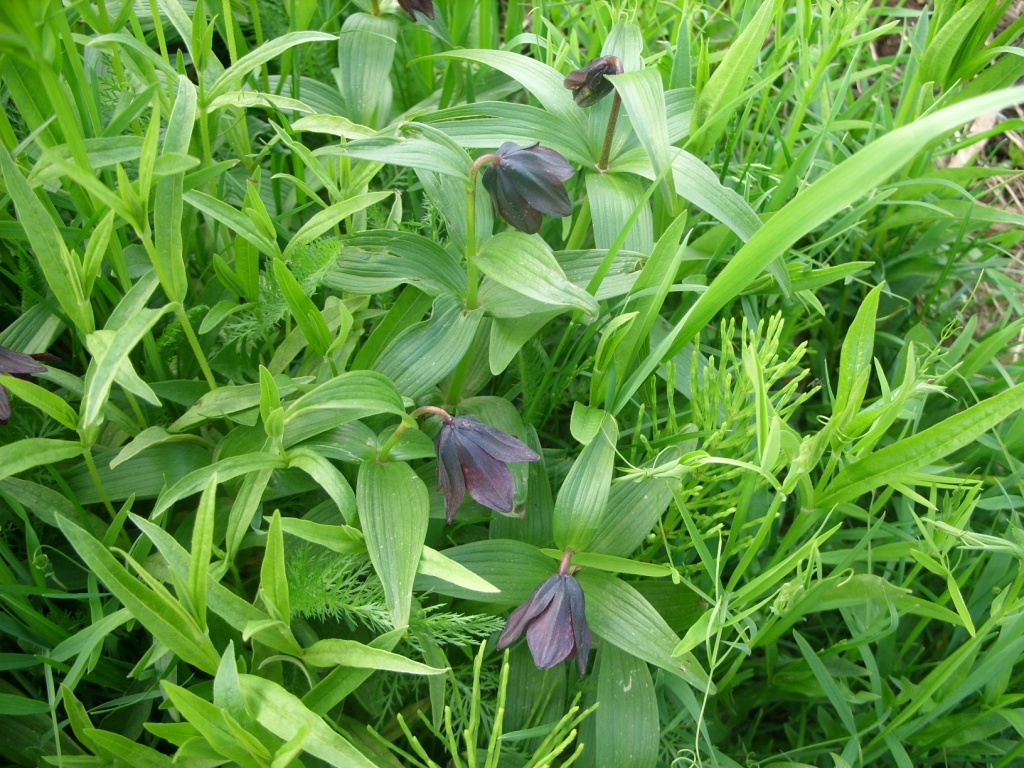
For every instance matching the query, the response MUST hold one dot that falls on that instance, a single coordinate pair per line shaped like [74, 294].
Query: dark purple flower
[525, 182]
[21, 365]
[471, 457]
[588, 84]
[412, 7]
[554, 621]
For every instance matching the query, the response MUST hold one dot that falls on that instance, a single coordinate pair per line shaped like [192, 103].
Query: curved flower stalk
[525, 182]
[554, 621]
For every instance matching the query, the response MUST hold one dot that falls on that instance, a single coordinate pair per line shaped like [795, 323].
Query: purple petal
[498, 444]
[580, 628]
[528, 611]
[550, 635]
[450, 479]
[514, 208]
[536, 174]
[18, 362]
[487, 479]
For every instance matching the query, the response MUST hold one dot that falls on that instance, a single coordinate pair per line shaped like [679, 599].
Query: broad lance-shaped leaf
[893, 463]
[527, 266]
[583, 497]
[287, 717]
[622, 616]
[394, 510]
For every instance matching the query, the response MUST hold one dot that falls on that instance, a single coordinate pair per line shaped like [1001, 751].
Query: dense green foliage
[768, 363]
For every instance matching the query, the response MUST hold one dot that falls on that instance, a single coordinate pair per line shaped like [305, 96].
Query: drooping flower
[589, 84]
[412, 7]
[21, 365]
[471, 457]
[554, 621]
[525, 182]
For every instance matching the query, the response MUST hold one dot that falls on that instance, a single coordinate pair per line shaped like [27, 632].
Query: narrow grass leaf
[893, 462]
[233, 75]
[436, 564]
[286, 716]
[156, 610]
[168, 256]
[233, 219]
[348, 653]
[827, 683]
[843, 185]
[394, 510]
[226, 469]
[273, 579]
[324, 220]
[302, 308]
[202, 549]
[327, 477]
[34, 452]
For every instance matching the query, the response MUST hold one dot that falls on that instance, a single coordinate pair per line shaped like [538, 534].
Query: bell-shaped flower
[412, 7]
[21, 365]
[526, 182]
[589, 84]
[554, 622]
[471, 457]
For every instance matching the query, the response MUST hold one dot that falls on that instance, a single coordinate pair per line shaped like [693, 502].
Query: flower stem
[471, 273]
[384, 454]
[602, 164]
[563, 568]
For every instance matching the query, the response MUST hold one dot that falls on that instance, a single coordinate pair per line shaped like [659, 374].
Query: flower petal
[487, 479]
[550, 635]
[450, 479]
[19, 362]
[514, 208]
[580, 628]
[528, 611]
[498, 444]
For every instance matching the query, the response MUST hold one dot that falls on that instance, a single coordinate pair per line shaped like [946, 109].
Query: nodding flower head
[471, 457]
[554, 621]
[21, 365]
[525, 182]
[589, 84]
[412, 7]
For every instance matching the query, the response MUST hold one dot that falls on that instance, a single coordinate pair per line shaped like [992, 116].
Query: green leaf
[828, 684]
[12, 705]
[286, 716]
[324, 220]
[624, 731]
[233, 75]
[202, 549]
[892, 463]
[327, 477]
[107, 364]
[855, 360]
[613, 198]
[273, 579]
[341, 681]
[33, 452]
[426, 352]
[342, 539]
[394, 510]
[350, 396]
[225, 469]
[582, 499]
[619, 614]
[708, 122]
[375, 262]
[843, 185]
[129, 751]
[168, 256]
[525, 264]
[51, 404]
[643, 96]
[366, 49]
[154, 608]
[348, 653]
[437, 565]
[46, 242]
[234, 220]
[302, 308]
[514, 567]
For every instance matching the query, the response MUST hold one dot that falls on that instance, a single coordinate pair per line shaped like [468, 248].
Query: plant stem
[384, 454]
[471, 274]
[563, 568]
[602, 164]
[197, 348]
